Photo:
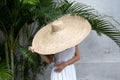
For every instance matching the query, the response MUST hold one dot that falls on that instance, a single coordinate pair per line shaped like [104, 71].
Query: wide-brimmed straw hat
[63, 33]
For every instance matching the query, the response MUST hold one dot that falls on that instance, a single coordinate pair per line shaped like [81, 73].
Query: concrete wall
[100, 56]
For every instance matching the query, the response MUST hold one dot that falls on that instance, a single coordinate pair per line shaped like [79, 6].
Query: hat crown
[57, 26]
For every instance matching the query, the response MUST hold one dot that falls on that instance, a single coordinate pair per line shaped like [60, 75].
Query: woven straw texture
[65, 32]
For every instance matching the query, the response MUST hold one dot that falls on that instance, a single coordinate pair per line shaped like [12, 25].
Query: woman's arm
[75, 58]
[47, 58]
[61, 66]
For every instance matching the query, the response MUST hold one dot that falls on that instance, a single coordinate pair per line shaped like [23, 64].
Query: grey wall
[100, 56]
[102, 49]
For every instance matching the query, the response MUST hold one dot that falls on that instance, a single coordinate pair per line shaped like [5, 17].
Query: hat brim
[76, 30]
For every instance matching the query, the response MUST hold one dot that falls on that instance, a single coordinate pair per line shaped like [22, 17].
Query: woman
[64, 68]
[59, 41]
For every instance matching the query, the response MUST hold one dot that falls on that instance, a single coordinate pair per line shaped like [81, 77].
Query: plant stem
[12, 63]
[7, 56]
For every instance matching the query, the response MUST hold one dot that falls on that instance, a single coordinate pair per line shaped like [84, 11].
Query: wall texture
[100, 56]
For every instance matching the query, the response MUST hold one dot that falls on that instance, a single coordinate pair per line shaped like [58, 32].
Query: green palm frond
[32, 62]
[99, 23]
[28, 56]
[5, 73]
[30, 1]
[102, 26]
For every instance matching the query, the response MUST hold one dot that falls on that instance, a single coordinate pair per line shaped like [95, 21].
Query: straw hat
[63, 33]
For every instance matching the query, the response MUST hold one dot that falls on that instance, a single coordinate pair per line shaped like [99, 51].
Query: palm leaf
[32, 62]
[5, 73]
[31, 58]
[99, 23]
[28, 56]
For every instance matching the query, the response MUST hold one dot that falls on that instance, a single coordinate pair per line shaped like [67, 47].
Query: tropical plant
[11, 22]
[21, 19]
[100, 23]
[5, 73]
[15, 16]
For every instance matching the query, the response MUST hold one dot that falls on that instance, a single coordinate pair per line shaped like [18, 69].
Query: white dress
[68, 73]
